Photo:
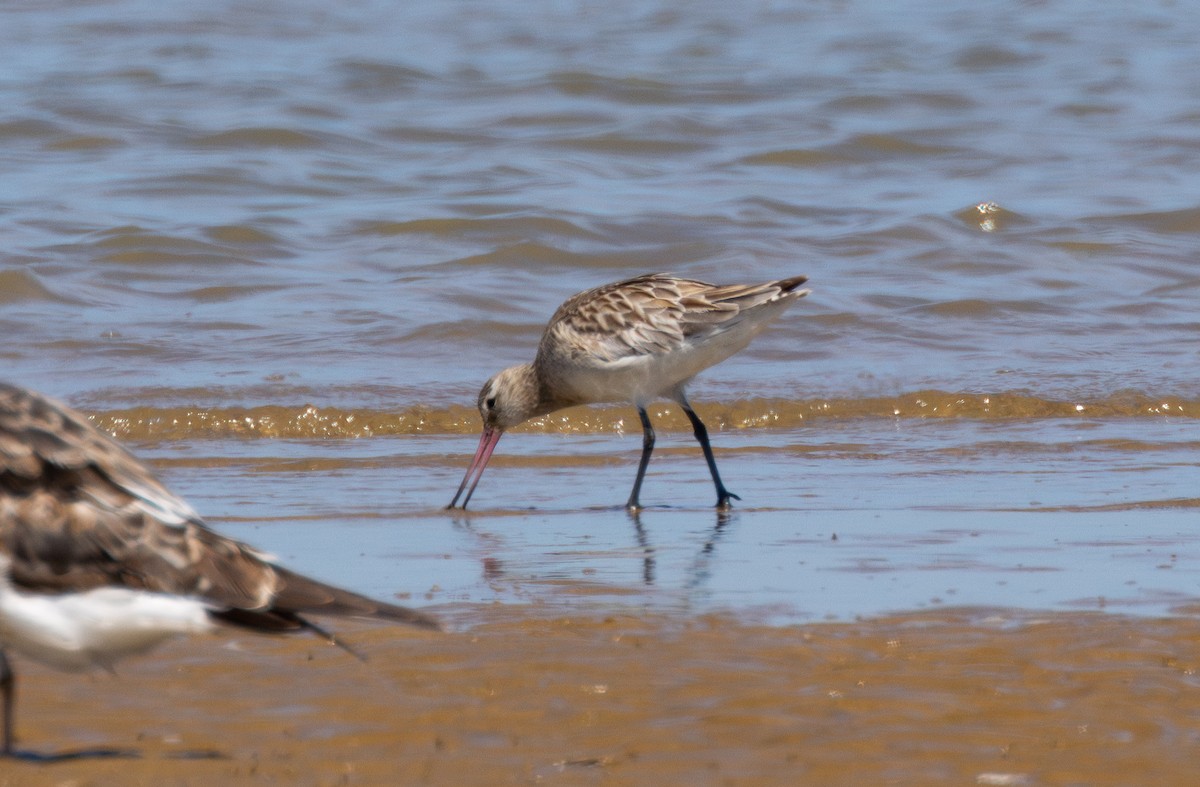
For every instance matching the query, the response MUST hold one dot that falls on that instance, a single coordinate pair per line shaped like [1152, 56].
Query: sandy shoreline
[962, 696]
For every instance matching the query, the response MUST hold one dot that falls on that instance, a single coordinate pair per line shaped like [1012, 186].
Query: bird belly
[79, 631]
[643, 378]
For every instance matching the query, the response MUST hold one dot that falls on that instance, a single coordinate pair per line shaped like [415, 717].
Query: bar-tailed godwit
[99, 560]
[631, 341]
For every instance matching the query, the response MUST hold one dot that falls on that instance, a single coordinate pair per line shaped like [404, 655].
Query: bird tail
[298, 593]
[789, 285]
[745, 297]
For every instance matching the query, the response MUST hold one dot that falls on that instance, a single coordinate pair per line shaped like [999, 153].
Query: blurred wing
[79, 511]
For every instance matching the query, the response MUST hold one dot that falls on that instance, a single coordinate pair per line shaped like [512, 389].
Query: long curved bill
[487, 444]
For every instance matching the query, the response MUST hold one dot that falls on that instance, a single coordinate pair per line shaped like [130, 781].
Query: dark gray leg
[647, 449]
[8, 686]
[723, 494]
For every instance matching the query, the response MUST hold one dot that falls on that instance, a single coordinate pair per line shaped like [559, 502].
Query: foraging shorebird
[99, 560]
[631, 341]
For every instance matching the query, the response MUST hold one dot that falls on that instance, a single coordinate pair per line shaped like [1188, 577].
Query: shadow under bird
[99, 560]
[632, 341]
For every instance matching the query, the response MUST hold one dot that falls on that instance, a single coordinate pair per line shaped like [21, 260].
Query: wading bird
[99, 560]
[632, 341]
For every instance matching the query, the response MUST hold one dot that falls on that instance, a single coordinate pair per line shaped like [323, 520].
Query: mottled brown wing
[636, 317]
[78, 511]
[654, 314]
[38, 432]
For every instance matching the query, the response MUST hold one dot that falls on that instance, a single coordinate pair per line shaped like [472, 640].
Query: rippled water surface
[277, 247]
[294, 202]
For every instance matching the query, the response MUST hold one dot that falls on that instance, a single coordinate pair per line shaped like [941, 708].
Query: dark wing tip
[787, 285]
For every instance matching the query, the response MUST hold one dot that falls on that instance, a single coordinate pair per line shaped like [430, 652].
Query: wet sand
[965, 696]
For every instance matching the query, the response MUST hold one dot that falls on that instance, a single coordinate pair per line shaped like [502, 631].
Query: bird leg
[723, 494]
[8, 685]
[647, 449]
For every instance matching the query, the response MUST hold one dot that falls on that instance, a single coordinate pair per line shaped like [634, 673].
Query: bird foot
[723, 498]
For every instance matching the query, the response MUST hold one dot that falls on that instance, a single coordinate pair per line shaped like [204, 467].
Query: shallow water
[851, 518]
[277, 248]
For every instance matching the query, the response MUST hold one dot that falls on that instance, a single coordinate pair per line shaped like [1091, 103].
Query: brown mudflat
[953, 696]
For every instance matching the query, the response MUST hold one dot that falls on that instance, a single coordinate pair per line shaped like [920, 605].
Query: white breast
[96, 628]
